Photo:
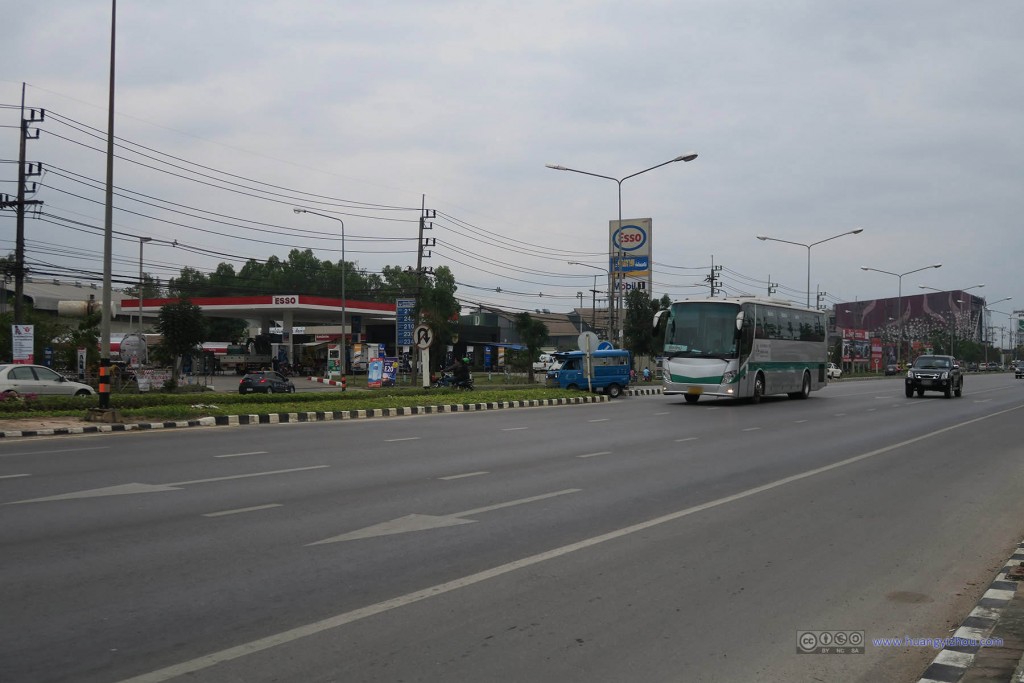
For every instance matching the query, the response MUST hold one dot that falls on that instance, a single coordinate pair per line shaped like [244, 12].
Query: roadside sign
[423, 337]
[587, 342]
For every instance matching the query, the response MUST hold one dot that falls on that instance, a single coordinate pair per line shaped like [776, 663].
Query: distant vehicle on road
[1019, 372]
[609, 371]
[892, 369]
[935, 373]
[834, 371]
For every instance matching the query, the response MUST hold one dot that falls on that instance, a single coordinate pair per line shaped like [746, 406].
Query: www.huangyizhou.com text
[937, 643]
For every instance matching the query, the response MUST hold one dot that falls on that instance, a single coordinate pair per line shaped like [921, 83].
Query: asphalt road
[643, 539]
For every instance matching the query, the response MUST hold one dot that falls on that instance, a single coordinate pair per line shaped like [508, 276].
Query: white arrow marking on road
[426, 522]
[127, 489]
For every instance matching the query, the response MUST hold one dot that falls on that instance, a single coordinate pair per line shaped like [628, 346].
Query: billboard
[630, 251]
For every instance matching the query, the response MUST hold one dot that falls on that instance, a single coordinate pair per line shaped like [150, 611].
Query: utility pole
[821, 297]
[712, 278]
[772, 286]
[25, 171]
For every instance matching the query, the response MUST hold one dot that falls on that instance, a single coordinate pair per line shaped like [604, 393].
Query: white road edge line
[222, 513]
[317, 627]
[462, 476]
[513, 429]
[406, 438]
[689, 438]
[594, 455]
[239, 455]
[13, 476]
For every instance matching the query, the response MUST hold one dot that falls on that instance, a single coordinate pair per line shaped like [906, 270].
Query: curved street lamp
[344, 357]
[765, 238]
[899, 300]
[615, 302]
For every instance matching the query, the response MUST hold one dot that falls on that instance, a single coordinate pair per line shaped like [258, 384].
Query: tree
[532, 333]
[439, 308]
[638, 325]
[184, 330]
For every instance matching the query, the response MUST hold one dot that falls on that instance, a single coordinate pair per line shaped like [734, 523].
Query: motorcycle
[447, 380]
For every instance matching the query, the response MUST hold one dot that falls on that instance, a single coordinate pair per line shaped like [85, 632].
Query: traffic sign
[423, 337]
[587, 342]
[605, 346]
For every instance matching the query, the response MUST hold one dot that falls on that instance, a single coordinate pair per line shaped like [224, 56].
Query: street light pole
[899, 301]
[615, 254]
[142, 240]
[764, 238]
[344, 302]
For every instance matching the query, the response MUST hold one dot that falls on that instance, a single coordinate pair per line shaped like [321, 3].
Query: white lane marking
[661, 413]
[513, 429]
[603, 419]
[799, 421]
[13, 476]
[62, 450]
[135, 487]
[751, 429]
[407, 438]
[871, 410]
[239, 455]
[241, 510]
[688, 438]
[594, 455]
[462, 476]
[416, 522]
[839, 415]
[316, 627]
[983, 400]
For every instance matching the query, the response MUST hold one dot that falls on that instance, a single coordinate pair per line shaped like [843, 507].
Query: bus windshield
[701, 330]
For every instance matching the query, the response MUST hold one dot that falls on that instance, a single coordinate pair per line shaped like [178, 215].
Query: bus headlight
[728, 377]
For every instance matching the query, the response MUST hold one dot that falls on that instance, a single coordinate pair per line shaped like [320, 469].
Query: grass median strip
[167, 408]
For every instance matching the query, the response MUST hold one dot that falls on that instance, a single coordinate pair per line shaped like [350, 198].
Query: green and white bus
[745, 347]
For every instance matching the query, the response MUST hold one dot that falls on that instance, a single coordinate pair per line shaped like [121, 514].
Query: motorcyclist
[460, 371]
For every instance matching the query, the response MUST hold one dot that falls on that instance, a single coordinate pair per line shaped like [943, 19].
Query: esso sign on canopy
[629, 238]
[285, 299]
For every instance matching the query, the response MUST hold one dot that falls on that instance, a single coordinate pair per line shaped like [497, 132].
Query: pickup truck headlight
[945, 375]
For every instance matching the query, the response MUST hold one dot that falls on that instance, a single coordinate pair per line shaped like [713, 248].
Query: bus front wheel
[758, 388]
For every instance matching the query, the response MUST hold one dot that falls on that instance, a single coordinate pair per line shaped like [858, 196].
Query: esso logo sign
[285, 299]
[629, 238]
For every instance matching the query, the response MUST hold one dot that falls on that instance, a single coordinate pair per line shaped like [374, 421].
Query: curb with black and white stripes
[311, 416]
[952, 663]
[642, 391]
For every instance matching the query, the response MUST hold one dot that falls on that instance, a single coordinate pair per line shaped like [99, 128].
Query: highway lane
[108, 586]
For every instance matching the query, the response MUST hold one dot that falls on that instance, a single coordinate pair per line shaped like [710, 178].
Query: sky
[810, 119]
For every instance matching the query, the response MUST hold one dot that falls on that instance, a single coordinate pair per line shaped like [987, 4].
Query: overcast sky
[810, 119]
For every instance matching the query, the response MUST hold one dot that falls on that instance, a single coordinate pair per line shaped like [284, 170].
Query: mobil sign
[630, 247]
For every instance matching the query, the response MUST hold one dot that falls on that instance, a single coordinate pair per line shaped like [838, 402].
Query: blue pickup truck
[609, 371]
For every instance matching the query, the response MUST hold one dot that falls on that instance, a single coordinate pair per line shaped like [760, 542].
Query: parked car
[1019, 371]
[20, 379]
[267, 382]
[935, 373]
[834, 371]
